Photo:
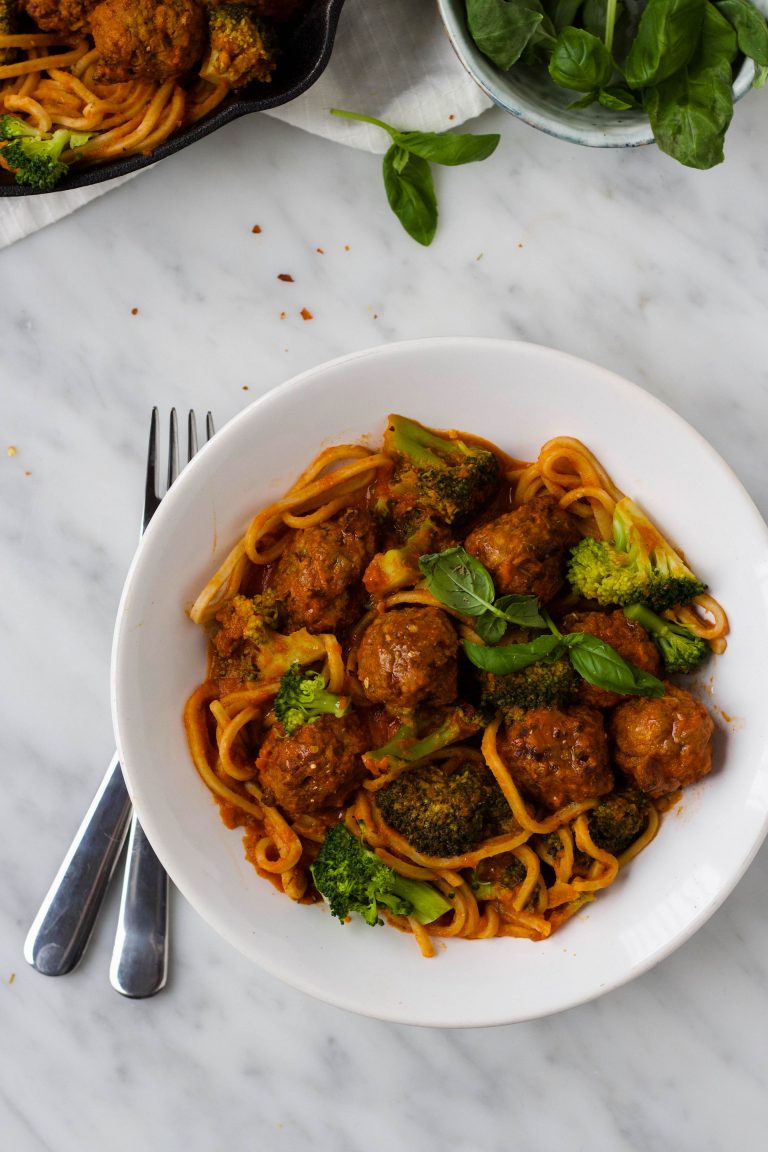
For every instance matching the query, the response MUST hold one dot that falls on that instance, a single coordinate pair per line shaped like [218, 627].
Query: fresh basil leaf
[411, 193]
[619, 99]
[667, 38]
[522, 610]
[690, 111]
[601, 665]
[490, 627]
[580, 61]
[585, 101]
[761, 76]
[459, 581]
[448, 148]
[751, 28]
[564, 12]
[514, 657]
[502, 29]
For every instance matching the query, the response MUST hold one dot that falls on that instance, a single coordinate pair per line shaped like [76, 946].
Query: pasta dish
[443, 684]
[86, 81]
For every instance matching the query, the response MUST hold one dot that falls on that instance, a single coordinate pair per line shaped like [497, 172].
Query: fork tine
[191, 434]
[151, 499]
[209, 428]
[173, 448]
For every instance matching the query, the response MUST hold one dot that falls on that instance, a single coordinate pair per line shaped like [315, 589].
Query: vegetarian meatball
[317, 767]
[407, 658]
[557, 756]
[441, 811]
[662, 743]
[525, 551]
[317, 578]
[629, 639]
[147, 39]
[59, 15]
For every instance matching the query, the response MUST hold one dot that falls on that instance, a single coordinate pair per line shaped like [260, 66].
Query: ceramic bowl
[517, 395]
[534, 98]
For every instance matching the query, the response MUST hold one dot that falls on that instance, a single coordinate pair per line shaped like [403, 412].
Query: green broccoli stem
[428, 903]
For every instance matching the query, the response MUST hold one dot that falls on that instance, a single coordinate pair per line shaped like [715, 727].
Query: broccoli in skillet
[242, 48]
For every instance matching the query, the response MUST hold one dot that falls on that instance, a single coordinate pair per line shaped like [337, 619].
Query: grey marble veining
[656, 272]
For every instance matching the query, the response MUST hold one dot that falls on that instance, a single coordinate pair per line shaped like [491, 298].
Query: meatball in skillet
[629, 639]
[317, 579]
[141, 38]
[557, 756]
[662, 743]
[407, 658]
[526, 550]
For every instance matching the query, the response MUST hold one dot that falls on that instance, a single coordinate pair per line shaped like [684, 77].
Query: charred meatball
[317, 767]
[318, 575]
[557, 756]
[407, 658]
[629, 639]
[662, 743]
[525, 551]
[59, 15]
[146, 39]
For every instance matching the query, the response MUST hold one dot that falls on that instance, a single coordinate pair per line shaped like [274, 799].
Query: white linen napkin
[391, 59]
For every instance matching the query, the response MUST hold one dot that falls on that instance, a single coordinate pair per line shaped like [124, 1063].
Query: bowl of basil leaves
[617, 73]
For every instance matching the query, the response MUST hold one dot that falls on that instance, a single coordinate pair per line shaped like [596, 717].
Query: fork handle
[62, 928]
[139, 965]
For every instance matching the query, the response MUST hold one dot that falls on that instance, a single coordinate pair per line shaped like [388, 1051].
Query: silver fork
[62, 928]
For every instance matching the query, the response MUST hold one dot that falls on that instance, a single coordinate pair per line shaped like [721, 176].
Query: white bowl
[533, 97]
[517, 395]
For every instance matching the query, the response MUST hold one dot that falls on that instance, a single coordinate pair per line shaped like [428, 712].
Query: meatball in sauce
[557, 756]
[662, 743]
[526, 550]
[317, 767]
[407, 659]
[317, 578]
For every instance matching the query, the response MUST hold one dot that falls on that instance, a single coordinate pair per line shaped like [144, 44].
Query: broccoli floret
[639, 566]
[618, 820]
[246, 645]
[354, 879]
[302, 697]
[681, 650]
[398, 568]
[448, 478]
[242, 47]
[34, 156]
[503, 871]
[407, 746]
[440, 811]
[545, 684]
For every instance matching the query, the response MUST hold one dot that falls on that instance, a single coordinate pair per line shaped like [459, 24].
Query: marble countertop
[162, 293]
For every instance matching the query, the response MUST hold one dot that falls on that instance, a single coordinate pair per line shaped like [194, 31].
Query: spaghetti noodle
[524, 875]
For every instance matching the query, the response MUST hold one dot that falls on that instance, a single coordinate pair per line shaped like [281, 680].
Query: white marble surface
[623, 258]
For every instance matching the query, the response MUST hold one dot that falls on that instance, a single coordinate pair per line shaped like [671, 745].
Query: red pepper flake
[521, 245]
[375, 315]
[451, 117]
[282, 315]
[285, 278]
[27, 473]
[306, 314]
[246, 388]
[256, 229]
[134, 311]
[321, 251]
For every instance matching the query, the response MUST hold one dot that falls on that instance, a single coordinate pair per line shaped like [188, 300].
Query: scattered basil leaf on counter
[407, 175]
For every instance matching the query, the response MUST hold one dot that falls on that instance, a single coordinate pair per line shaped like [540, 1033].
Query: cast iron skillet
[306, 52]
